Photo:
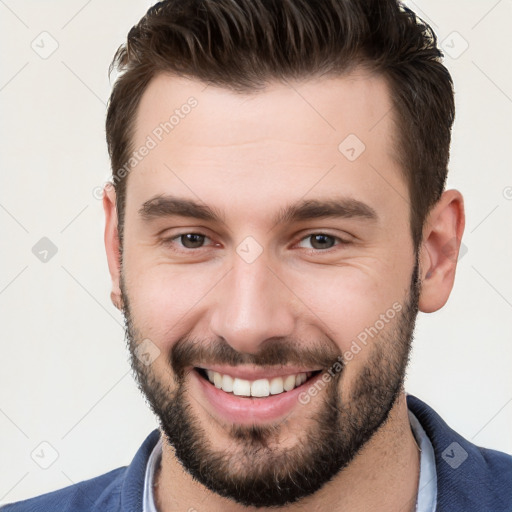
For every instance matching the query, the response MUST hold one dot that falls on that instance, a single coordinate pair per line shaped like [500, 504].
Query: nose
[252, 305]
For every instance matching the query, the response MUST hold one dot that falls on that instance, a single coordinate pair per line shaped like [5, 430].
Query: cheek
[352, 301]
[164, 301]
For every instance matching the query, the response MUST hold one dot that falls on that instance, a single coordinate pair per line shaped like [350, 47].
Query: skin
[237, 154]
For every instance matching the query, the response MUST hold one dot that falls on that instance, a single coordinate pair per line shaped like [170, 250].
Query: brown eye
[321, 241]
[192, 240]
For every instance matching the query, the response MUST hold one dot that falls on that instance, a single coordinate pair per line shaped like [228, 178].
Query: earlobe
[112, 244]
[439, 251]
[116, 300]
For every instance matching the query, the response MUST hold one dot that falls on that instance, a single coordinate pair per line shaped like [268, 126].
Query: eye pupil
[320, 241]
[192, 240]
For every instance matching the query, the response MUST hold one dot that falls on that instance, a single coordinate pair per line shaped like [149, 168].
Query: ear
[112, 243]
[439, 252]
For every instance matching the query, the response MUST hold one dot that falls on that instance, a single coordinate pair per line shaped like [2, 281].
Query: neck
[383, 476]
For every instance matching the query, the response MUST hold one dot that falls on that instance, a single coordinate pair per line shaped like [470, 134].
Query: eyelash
[341, 242]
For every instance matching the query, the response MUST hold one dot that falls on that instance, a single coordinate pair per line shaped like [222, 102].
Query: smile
[261, 387]
[249, 395]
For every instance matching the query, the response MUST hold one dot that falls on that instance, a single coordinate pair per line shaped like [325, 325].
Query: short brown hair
[243, 44]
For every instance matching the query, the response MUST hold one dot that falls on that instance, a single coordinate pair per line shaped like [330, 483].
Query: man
[277, 220]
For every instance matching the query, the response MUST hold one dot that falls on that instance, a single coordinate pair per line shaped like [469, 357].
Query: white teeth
[300, 379]
[289, 383]
[217, 379]
[276, 386]
[256, 388]
[241, 387]
[227, 383]
[260, 387]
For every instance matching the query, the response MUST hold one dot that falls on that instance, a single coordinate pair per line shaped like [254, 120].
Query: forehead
[331, 106]
[286, 140]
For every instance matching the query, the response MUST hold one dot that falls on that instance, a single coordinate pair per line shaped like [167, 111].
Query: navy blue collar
[469, 478]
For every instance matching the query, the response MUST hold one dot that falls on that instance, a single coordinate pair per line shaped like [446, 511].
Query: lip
[250, 410]
[254, 373]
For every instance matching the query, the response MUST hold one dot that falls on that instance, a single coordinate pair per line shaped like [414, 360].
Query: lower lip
[250, 410]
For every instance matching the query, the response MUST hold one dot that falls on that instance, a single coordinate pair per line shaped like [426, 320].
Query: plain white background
[65, 376]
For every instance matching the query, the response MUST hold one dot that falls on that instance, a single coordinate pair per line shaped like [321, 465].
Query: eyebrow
[170, 206]
[162, 206]
[343, 207]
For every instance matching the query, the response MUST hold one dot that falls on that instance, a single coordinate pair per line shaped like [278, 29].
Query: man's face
[238, 292]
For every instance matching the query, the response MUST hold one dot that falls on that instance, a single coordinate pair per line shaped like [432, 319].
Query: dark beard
[260, 473]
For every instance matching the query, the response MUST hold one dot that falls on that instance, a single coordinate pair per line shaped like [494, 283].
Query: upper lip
[255, 373]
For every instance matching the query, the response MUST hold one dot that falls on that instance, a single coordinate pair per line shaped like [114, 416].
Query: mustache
[188, 352]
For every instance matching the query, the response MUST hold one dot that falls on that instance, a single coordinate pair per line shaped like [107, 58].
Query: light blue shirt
[427, 488]
[148, 500]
